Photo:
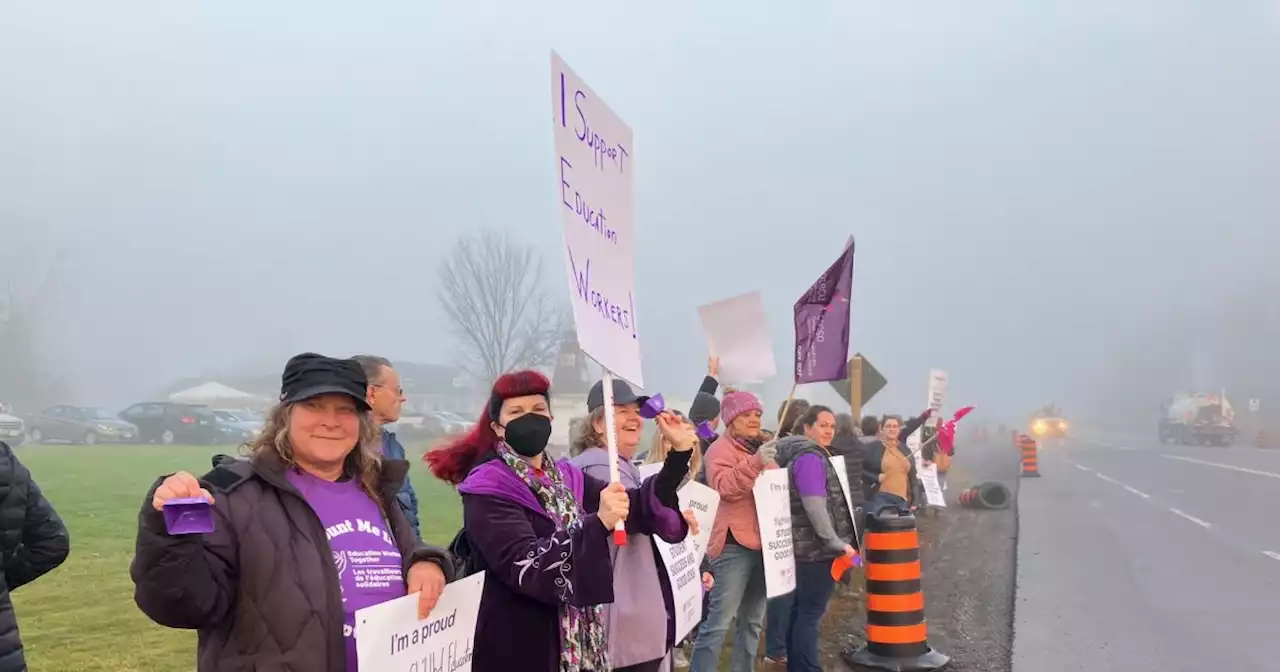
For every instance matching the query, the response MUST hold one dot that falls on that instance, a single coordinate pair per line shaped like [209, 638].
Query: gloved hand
[768, 452]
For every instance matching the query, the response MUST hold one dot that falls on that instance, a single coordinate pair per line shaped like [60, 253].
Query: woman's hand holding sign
[614, 505]
[689, 518]
[179, 486]
[427, 580]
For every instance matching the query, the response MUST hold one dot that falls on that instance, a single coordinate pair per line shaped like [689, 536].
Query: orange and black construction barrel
[990, 495]
[1030, 465]
[897, 637]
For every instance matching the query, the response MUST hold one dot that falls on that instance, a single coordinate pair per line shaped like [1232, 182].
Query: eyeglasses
[399, 390]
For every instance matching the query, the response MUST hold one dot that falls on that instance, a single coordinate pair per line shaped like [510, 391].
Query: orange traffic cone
[1030, 465]
[897, 637]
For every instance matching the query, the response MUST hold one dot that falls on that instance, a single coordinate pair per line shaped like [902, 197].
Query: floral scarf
[584, 646]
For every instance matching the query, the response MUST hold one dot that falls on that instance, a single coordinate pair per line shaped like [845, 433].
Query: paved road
[1133, 556]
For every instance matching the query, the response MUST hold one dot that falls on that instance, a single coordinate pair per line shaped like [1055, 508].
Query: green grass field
[82, 616]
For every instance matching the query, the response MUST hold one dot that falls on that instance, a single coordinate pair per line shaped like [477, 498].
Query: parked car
[233, 428]
[168, 423]
[79, 424]
[413, 426]
[446, 422]
[12, 429]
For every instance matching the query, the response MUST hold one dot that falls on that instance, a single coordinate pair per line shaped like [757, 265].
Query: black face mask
[528, 434]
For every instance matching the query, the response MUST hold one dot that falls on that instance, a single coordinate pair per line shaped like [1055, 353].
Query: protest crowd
[305, 553]
[264, 585]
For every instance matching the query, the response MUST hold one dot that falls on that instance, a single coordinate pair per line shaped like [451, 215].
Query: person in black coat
[848, 444]
[33, 541]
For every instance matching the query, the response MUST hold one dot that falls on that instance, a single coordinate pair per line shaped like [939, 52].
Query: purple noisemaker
[188, 515]
[652, 407]
[705, 432]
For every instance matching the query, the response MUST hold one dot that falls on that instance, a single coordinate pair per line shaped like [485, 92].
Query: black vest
[808, 546]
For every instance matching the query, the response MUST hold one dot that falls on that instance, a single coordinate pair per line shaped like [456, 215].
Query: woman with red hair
[542, 530]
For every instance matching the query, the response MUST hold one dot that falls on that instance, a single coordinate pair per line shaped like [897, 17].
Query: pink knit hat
[736, 403]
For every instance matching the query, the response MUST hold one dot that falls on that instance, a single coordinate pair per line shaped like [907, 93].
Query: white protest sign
[937, 389]
[738, 333]
[683, 566]
[390, 638]
[837, 463]
[937, 394]
[705, 502]
[648, 471]
[593, 188]
[928, 474]
[684, 560]
[772, 493]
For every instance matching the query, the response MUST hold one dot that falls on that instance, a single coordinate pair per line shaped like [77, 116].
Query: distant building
[571, 380]
[439, 387]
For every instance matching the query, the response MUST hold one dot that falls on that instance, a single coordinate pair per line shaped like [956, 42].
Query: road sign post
[855, 388]
[863, 383]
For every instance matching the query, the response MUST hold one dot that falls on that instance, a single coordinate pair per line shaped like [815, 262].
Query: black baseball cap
[309, 375]
[622, 394]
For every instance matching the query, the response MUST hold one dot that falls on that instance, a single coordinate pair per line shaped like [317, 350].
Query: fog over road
[1137, 556]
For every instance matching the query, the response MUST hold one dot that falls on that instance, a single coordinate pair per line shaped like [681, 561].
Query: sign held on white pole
[594, 194]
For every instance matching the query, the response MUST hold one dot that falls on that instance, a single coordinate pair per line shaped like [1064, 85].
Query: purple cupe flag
[822, 324]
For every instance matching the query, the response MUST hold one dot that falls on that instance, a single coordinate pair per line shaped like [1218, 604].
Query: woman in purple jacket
[542, 530]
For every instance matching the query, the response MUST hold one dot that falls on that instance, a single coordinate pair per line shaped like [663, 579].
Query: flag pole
[611, 440]
[785, 407]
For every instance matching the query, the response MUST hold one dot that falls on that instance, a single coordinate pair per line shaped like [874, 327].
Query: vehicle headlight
[104, 428]
[1062, 425]
[1039, 427]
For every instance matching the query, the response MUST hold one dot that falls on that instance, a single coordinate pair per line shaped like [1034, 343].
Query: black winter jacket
[33, 541]
[261, 589]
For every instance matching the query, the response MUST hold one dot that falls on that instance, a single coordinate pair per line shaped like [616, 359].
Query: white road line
[1232, 467]
[1126, 487]
[1191, 518]
[1081, 467]
[1272, 554]
[1136, 491]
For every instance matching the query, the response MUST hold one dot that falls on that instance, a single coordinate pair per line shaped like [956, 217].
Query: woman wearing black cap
[271, 587]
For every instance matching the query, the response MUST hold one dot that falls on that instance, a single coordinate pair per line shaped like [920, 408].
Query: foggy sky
[1029, 186]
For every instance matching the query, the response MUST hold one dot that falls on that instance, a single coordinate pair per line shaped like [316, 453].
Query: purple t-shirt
[370, 569]
[811, 476]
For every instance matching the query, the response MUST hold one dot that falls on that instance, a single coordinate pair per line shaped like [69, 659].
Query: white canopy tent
[212, 394]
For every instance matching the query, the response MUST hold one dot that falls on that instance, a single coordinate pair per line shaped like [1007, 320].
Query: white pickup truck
[12, 429]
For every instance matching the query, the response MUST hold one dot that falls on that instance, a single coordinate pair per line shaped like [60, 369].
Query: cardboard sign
[593, 187]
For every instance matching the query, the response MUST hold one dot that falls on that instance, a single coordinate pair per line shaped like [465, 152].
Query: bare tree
[25, 378]
[494, 292]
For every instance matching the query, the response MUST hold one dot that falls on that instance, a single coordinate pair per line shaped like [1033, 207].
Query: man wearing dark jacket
[33, 541]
